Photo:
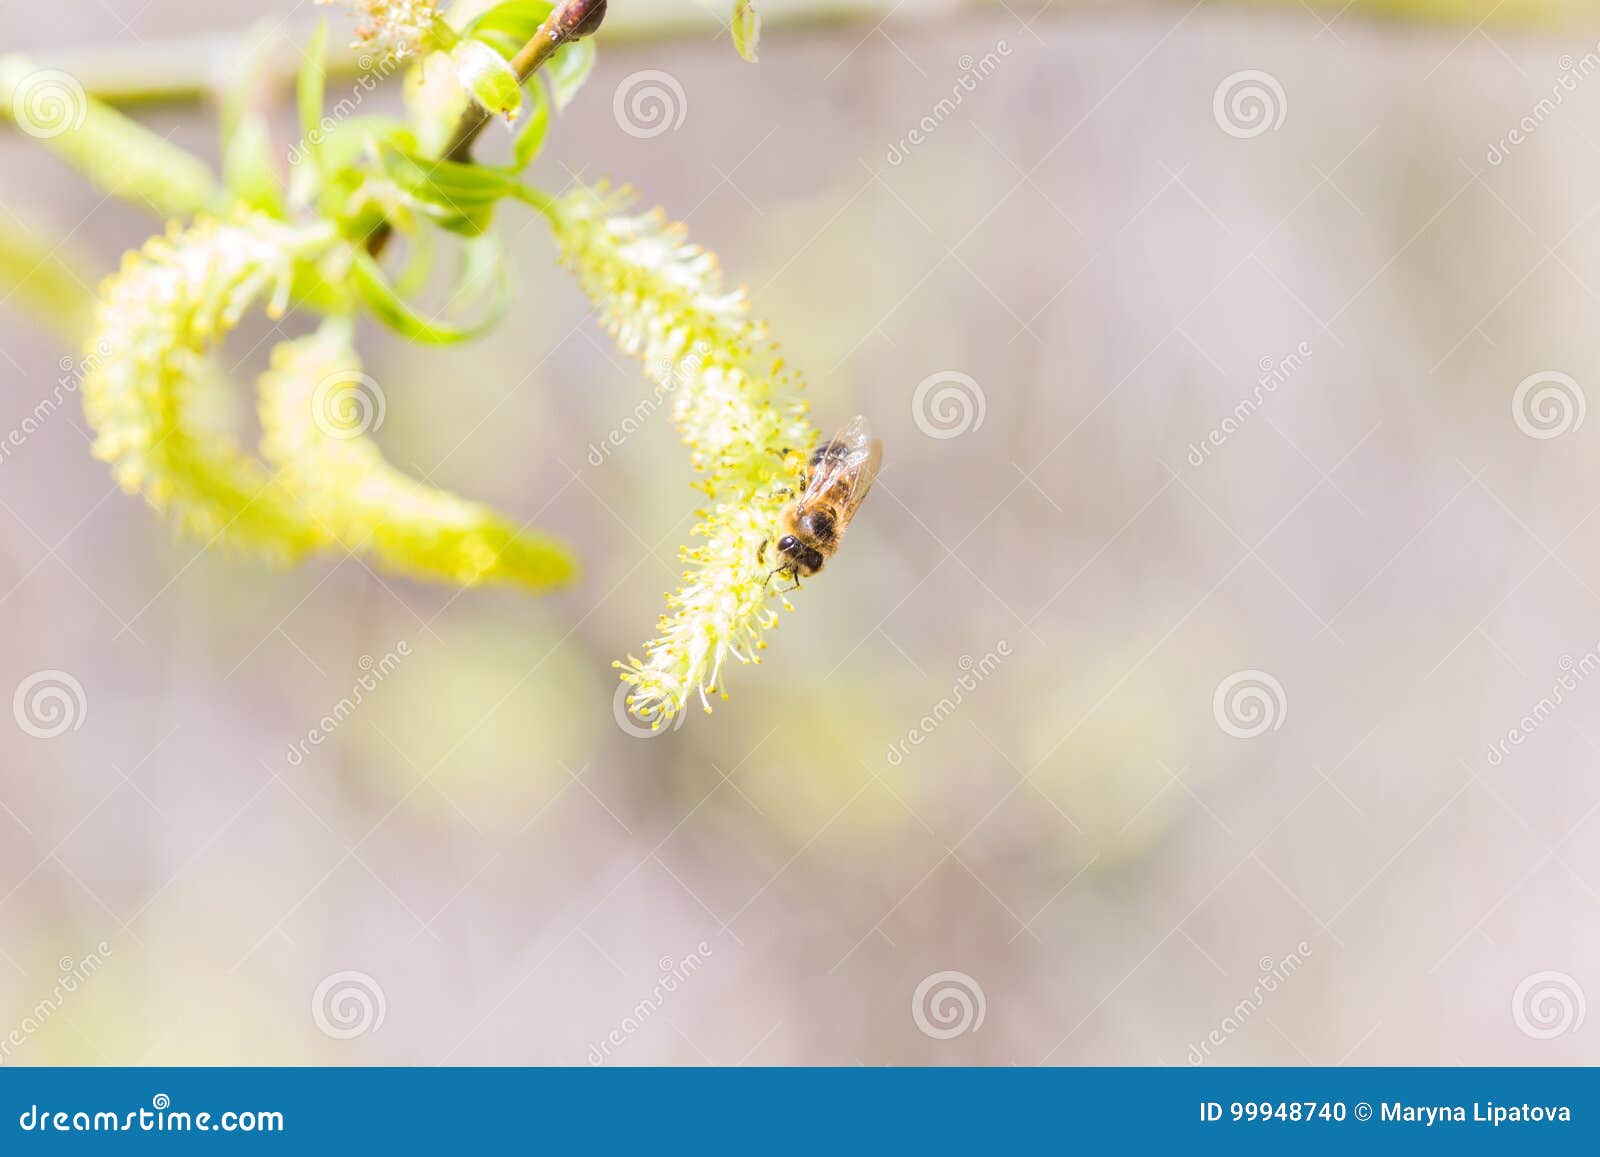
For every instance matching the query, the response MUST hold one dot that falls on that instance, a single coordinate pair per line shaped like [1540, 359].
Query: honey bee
[837, 479]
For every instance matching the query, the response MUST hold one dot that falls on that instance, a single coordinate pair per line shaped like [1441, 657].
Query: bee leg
[777, 570]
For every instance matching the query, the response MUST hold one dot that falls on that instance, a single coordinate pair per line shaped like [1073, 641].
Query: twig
[194, 67]
[568, 21]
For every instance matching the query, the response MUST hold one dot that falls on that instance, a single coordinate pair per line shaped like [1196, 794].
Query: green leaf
[419, 250]
[488, 79]
[530, 137]
[403, 318]
[346, 142]
[460, 197]
[249, 169]
[337, 184]
[568, 68]
[481, 272]
[434, 101]
[746, 28]
[313, 77]
[507, 27]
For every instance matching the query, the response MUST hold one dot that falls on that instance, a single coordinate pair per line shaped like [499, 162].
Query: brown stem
[571, 20]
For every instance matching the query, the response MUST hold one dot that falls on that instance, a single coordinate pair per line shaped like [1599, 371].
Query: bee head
[787, 543]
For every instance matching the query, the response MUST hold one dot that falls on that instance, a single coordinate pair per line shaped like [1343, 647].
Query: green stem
[118, 155]
[568, 21]
[539, 199]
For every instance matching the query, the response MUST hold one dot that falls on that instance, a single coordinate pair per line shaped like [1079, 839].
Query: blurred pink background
[1234, 720]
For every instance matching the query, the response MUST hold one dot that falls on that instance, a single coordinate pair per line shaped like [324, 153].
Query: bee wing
[846, 466]
[866, 472]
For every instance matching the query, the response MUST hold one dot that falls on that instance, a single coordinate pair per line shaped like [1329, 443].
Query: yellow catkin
[737, 408]
[148, 385]
[317, 407]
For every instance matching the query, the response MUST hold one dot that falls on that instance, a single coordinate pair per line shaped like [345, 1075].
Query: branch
[186, 68]
[568, 21]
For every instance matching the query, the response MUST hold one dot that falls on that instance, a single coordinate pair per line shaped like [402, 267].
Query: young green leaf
[434, 101]
[388, 307]
[487, 78]
[507, 27]
[568, 68]
[746, 28]
[530, 137]
[420, 245]
[309, 91]
[248, 167]
[459, 197]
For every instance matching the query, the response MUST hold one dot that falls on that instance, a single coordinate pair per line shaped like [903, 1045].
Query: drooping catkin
[149, 384]
[736, 406]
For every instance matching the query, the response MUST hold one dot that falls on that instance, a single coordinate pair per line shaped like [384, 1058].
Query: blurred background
[1238, 512]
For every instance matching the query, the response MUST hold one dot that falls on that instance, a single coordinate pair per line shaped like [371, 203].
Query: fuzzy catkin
[148, 384]
[317, 407]
[736, 406]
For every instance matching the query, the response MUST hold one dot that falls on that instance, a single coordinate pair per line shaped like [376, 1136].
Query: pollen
[398, 28]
